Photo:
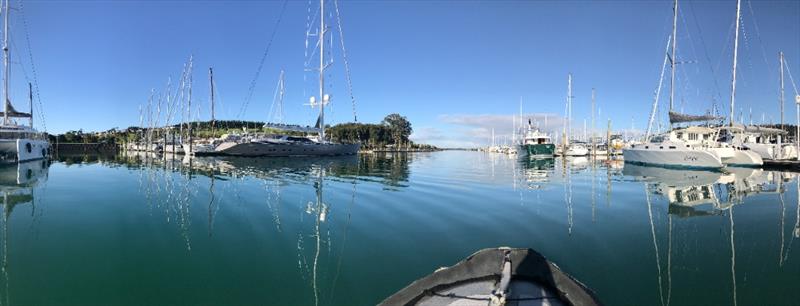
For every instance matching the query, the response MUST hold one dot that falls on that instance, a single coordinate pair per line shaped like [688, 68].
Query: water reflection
[17, 184]
[313, 230]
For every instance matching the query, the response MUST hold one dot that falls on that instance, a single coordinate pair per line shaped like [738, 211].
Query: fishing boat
[535, 144]
[499, 276]
[18, 143]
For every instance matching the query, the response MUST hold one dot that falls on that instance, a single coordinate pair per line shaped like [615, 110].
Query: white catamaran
[692, 146]
[18, 142]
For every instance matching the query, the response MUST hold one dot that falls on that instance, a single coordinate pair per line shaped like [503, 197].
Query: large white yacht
[693, 146]
[18, 143]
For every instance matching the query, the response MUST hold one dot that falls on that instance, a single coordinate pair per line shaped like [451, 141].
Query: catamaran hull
[536, 150]
[20, 150]
[673, 158]
[255, 149]
[771, 151]
[744, 158]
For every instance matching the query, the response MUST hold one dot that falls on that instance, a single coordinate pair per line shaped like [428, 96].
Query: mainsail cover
[680, 118]
[13, 112]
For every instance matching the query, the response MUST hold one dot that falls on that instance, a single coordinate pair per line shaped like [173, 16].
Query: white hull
[771, 151]
[672, 155]
[576, 151]
[20, 150]
[744, 158]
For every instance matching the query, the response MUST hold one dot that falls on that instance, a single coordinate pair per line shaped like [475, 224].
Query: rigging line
[748, 54]
[727, 43]
[691, 41]
[705, 51]
[789, 72]
[252, 87]
[758, 36]
[33, 67]
[346, 62]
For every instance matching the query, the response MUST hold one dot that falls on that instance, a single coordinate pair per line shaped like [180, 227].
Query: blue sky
[456, 69]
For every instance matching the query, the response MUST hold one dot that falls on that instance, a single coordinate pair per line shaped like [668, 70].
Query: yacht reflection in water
[17, 184]
[537, 172]
[697, 193]
[322, 226]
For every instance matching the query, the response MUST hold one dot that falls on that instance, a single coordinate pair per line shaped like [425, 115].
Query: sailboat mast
[782, 101]
[672, 57]
[6, 67]
[211, 83]
[735, 54]
[322, 69]
[569, 107]
[593, 126]
[30, 101]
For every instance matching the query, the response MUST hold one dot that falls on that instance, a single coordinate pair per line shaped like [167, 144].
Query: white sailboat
[18, 143]
[684, 148]
[741, 155]
[572, 149]
[284, 145]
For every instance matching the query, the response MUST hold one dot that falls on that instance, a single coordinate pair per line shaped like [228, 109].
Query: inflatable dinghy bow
[498, 296]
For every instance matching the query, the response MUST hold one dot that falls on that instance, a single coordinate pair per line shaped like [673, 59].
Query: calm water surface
[130, 230]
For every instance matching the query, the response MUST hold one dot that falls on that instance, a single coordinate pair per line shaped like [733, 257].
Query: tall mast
[211, 83]
[30, 100]
[781, 100]
[735, 54]
[6, 67]
[321, 70]
[569, 106]
[593, 126]
[672, 58]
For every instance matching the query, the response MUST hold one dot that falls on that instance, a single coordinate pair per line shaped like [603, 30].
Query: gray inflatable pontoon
[501, 276]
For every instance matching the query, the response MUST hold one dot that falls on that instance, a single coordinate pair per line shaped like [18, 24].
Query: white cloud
[477, 129]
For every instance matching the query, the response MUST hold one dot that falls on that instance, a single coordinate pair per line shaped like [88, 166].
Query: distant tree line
[393, 131]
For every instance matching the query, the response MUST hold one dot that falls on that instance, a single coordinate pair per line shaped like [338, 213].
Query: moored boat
[18, 143]
[536, 144]
[497, 276]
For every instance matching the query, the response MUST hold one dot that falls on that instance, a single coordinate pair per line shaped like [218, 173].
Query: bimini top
[680, 118]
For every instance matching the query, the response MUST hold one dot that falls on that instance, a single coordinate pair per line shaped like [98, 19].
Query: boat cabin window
[672, 147]
[706, 136]
[692, 136]
[540, 141]
[680, 135]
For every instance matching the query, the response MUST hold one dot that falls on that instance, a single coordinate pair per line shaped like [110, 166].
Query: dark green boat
[536, 144]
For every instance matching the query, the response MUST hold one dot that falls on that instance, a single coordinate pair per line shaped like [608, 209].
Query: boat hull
[577, 151]
[672, 158]
[20, 150]
[271, 149]
[744, 158]
[536, 150]
[475, 281]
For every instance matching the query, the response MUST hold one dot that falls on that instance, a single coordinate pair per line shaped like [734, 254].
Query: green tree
[399, 127]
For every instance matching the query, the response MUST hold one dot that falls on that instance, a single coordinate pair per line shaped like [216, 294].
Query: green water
[128, 230]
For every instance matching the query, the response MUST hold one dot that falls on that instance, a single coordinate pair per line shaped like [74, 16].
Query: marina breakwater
[73, 148]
